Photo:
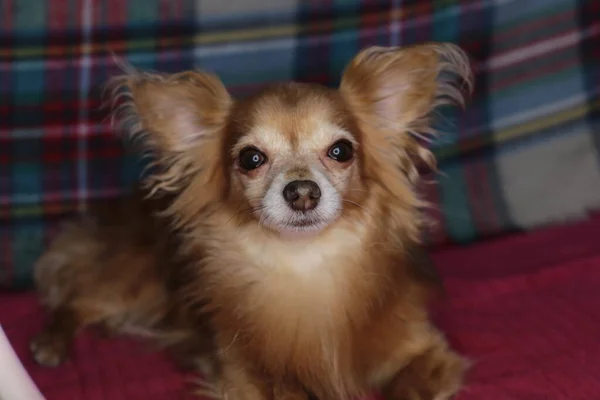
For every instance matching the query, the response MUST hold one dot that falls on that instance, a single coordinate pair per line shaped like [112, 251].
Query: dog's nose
[302, 195]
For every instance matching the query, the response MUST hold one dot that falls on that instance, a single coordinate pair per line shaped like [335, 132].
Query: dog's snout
[302, 195]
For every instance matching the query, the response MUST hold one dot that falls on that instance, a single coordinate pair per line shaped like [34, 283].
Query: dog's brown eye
[251, 158]
[341, 151]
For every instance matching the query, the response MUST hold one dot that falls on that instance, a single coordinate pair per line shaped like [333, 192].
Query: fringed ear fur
[176, 119]
[393, 93]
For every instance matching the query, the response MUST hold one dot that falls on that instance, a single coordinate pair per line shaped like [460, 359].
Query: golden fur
[204, 260]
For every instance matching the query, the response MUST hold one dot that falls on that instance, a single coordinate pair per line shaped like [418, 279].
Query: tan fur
[333, 314]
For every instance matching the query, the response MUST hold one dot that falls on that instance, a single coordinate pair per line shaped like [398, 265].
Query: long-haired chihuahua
[272, 246]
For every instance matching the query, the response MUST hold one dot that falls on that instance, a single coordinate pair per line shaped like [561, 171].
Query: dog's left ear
[392, 92]
[395, 88]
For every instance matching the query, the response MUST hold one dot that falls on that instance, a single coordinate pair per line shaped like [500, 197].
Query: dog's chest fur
[294, 299]
[294, 279]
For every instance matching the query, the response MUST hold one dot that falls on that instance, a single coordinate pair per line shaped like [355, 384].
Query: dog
[272, 245]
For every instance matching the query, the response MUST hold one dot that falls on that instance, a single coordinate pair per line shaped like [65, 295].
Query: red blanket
[524, 308]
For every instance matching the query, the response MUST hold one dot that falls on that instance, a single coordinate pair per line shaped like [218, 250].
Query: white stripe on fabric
[244, 47]
[551, 44]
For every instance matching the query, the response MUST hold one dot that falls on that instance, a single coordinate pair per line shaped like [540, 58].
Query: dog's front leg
[434, 374]
[237, 382]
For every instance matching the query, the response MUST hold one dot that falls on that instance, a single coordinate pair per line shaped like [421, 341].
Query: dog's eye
[251, 158]
[341, 151]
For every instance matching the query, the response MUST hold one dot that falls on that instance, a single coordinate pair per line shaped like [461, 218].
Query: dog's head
[296, 157]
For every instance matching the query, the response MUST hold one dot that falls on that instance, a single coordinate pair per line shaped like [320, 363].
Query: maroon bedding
[524, 308]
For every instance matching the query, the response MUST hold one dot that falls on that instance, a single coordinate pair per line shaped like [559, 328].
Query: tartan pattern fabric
[523, 154]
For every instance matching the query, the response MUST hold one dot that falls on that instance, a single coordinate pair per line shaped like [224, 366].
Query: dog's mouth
[303, 221]
[296, 223]
[302, 226]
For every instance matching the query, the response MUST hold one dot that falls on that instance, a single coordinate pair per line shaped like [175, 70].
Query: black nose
[302, 195]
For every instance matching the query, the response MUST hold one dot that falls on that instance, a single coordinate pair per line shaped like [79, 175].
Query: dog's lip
[301, 228]
[304, 223]
[305, 220]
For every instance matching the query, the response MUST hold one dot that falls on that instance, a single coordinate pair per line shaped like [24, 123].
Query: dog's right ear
[174, 112]
[178, 118]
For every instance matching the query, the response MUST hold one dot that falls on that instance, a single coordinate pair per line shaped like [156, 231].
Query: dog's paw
[209, 390]
[435, 375]
[48, 349]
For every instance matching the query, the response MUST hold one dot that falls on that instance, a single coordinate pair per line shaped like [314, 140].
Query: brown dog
[274, 248]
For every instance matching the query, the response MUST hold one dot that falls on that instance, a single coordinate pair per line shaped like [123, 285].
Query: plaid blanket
[524, 154]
